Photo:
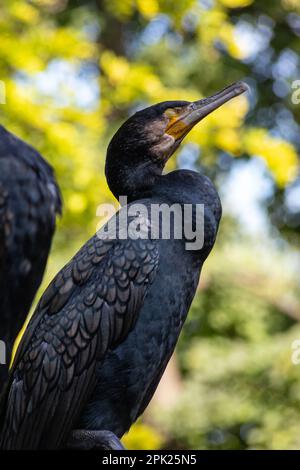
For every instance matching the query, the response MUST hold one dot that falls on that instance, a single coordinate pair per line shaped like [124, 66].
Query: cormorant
[105, 328]
[29, 202]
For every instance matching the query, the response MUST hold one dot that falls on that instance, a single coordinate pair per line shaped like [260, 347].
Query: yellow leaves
[123, 83]
[279, 155]
[66, 42]
[20, 108]
[152, 85]
[231, 114]
[69, 140]
[83, 177]
[128, 82]
[122, 9]
[57, 42]
[222, 128]
[291, 4]
[18, 56]
[24, 12]
[142, 437]
[148, 8]
[28, 47]
[210, 23]
[227, 37]
[215, 26]
[229, 140]
[36, 47]
[92, 120]
[76, 203]
[176, 9]
[236, 3]
[116, 68]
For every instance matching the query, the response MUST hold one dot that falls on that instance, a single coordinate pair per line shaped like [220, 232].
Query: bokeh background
[73, 71]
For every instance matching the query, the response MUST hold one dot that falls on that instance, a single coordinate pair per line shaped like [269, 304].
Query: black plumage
[104, 330]
[29, 202]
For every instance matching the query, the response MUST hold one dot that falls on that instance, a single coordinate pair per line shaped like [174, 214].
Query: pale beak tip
[241, 87]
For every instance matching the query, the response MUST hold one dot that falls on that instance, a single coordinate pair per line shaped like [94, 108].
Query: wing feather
[89, 308]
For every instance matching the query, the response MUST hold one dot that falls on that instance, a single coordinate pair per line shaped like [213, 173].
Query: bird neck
[135, 181]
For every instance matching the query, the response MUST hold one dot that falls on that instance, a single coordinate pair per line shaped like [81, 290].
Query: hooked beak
[180, 126]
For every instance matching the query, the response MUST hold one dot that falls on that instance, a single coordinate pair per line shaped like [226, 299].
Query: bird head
[145, 142]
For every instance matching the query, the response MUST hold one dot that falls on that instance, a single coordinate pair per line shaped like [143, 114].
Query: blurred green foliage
[73, 71]
[241, 386]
